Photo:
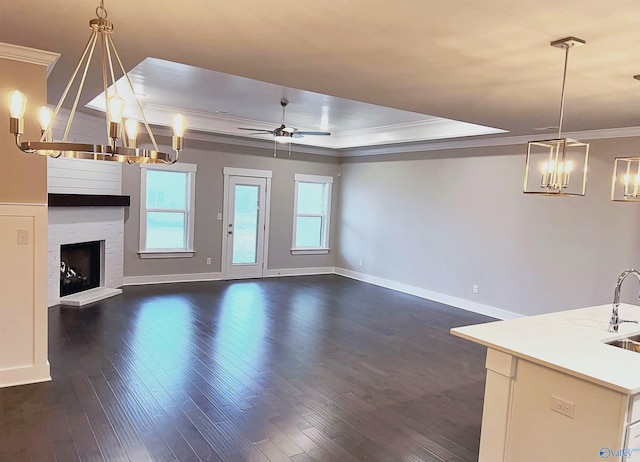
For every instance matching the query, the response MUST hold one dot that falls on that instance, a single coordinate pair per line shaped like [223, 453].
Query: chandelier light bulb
[116, 108]
[131, 126]
[44, 116]
[179, 125]
[17, 104]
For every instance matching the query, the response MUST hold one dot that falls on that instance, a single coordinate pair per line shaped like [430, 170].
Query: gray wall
[444, 221]
[211, 158]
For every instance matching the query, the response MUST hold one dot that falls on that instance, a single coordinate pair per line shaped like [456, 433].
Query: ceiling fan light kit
[122, 145]
[558, 167]
[283, 134]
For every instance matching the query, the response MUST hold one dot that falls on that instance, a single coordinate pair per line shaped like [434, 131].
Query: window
[312, 209]
[167, 199]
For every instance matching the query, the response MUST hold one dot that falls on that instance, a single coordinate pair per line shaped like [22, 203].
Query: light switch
[23, 236]
[219, 216]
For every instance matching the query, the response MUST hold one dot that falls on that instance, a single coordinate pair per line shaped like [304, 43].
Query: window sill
[312, 251]
[166, 254]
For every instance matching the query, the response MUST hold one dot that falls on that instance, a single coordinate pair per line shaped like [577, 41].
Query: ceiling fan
[283, 134]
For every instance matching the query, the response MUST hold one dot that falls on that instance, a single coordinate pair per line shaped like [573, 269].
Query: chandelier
[121, 135]
[627, 170]
[558, 167]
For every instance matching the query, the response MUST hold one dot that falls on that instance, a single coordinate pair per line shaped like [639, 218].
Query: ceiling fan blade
[257, 130]
[313, 133]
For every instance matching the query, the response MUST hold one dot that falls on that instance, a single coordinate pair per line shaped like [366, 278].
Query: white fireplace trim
[69, 225]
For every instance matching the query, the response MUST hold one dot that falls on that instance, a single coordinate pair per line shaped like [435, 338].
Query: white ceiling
[487, 63]
[222, 103]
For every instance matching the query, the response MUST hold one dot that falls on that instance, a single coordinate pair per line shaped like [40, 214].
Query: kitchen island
[556, 391]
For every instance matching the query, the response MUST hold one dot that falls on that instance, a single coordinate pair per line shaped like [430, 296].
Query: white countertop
[568, 341]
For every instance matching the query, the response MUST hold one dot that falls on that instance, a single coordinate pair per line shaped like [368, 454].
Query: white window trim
[250, 172]
[168, 253]
[324, 249]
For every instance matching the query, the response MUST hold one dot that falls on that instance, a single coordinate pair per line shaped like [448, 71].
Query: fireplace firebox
[79, 267]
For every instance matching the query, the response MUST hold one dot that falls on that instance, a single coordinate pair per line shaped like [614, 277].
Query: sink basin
[631, 343]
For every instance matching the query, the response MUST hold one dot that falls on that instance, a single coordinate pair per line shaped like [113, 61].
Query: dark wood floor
[314, 368]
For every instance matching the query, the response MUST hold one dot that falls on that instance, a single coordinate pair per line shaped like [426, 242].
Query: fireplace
[80, 265]
[70, 225]
[86, 205]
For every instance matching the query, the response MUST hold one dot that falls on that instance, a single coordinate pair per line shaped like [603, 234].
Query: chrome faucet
[615, 321]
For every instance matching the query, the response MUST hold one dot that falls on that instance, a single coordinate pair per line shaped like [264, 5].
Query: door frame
[250, 173]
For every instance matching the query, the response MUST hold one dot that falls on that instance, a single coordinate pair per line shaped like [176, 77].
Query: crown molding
[419, 131]
[606, 133]
[241, 141]
[431, 129]
[29, 55]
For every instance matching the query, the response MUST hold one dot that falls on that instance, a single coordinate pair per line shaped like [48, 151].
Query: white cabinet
[632, 437]
[518, 420]
[556, 387]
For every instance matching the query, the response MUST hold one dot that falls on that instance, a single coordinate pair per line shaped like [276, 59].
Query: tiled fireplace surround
[68, 225]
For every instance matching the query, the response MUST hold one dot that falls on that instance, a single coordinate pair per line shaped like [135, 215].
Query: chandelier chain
[101, 12]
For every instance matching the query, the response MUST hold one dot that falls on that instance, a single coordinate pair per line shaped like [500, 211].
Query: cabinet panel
[634, 409]
[632, 440]
[598, 420]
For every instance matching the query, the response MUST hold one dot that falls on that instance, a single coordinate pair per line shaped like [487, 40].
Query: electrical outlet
[476, 288]
[208, 260]
[563, 407]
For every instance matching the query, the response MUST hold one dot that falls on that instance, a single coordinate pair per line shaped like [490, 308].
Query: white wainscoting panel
[23, 294]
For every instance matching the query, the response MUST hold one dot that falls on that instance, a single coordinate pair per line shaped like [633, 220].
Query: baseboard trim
[169, 278]
[198, 277]
[461, 303]
[24, 375]
[274, 273]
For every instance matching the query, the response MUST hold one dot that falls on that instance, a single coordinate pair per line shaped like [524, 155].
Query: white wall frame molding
[23, 304]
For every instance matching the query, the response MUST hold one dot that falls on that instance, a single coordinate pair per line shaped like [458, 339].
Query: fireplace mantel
[88, 200]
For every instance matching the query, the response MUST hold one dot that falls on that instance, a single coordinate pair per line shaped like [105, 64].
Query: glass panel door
[245, 227]
[245, 224]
